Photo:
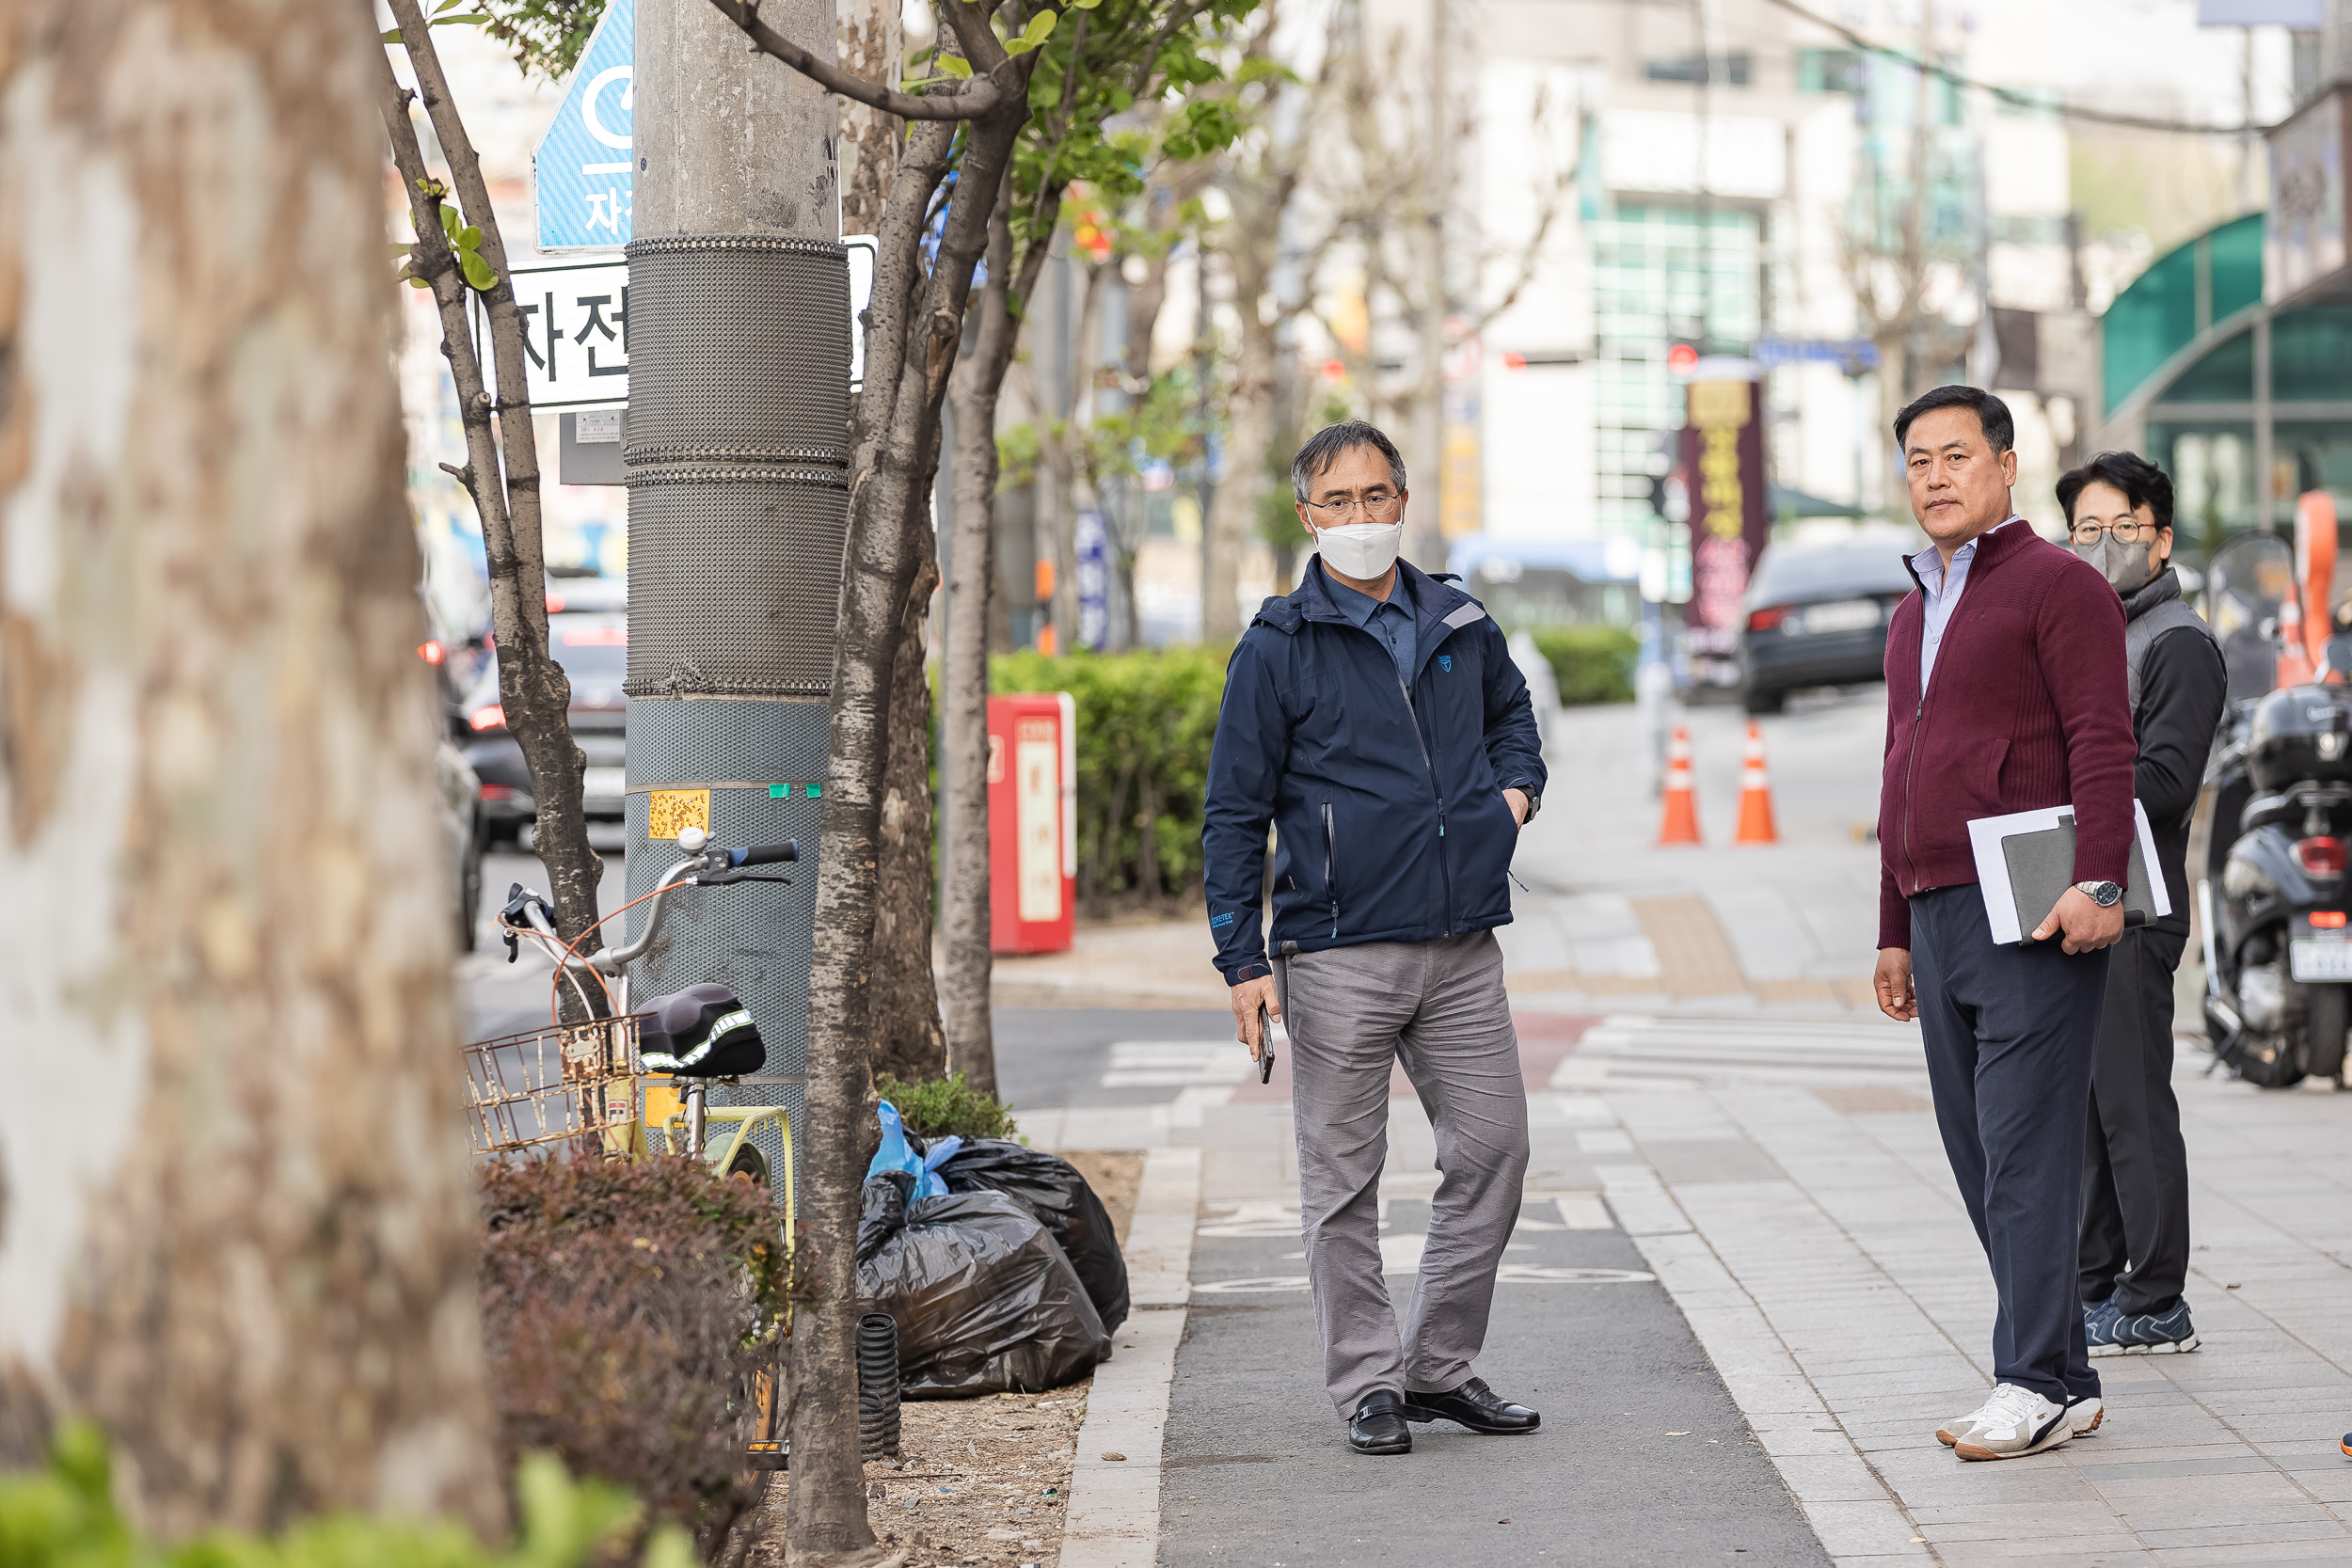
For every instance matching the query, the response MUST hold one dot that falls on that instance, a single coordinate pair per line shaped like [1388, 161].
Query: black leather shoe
[1473, 1405]
[1378, 1424]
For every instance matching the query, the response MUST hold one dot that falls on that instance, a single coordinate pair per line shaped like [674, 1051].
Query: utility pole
[738, 458]
[1424, 543]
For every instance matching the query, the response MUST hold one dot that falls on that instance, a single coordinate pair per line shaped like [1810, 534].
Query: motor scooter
[2274, 903]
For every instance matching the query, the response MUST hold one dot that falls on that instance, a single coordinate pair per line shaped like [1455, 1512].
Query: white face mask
[1361, 551]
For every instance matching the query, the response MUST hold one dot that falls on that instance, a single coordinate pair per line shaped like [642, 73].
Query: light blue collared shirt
[1390, 620]
[1940, 590]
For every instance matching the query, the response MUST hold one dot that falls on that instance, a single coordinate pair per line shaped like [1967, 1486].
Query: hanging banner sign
[1723, 456]
[583, 169]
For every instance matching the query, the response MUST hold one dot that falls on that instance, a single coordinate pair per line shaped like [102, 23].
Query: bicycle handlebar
[705, 864]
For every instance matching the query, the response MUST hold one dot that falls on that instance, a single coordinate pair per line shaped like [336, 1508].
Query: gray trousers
[1439, 1007]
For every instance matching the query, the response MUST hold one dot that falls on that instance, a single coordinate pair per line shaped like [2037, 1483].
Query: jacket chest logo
[1446, 663]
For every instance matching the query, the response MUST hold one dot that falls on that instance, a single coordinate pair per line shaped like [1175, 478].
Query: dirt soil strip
[984, 1482]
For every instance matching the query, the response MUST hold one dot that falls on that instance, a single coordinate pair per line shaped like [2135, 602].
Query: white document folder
[2036, 849]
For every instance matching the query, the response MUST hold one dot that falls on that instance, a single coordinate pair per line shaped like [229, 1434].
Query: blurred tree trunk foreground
[235, 1225]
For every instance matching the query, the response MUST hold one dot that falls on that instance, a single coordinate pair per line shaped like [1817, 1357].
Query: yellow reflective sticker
[667, 811]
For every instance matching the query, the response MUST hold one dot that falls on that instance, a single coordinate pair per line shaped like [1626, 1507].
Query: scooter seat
[702, 1032]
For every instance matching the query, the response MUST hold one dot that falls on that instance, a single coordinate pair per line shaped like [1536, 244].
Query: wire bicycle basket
[548, 1091]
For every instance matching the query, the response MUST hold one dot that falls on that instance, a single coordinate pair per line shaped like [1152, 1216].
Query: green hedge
[64, 1516]
[1145, 721]
[1593, 664]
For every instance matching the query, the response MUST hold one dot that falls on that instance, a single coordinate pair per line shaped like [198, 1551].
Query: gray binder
[2025, 863]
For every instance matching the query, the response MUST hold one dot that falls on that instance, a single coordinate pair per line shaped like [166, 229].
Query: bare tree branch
[533, 690]
[982, 93]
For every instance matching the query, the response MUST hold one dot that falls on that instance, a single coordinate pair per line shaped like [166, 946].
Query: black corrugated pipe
[878, 1385]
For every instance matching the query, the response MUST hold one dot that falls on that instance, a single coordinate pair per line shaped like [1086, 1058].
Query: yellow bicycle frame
[657, 1102]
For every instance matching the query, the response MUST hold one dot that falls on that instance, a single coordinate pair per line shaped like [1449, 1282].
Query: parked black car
[1817, 612]
[588, 635]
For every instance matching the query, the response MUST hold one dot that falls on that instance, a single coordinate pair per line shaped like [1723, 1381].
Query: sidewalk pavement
[1797, 1211]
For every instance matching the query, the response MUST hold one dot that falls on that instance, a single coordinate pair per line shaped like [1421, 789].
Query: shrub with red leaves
[627, 1306]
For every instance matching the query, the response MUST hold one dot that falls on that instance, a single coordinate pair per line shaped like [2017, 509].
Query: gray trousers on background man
[1352, 1012]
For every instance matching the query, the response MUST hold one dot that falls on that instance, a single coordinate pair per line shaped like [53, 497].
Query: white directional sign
[583, 169]
[575, 328]
[575, 333]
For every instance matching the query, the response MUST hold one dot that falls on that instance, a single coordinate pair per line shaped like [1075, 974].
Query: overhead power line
[2015, 96]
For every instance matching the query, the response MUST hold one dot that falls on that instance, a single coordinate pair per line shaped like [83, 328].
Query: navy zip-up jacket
[1387, 808]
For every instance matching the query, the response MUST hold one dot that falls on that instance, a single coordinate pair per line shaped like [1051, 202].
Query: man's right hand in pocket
[1247, 998]
[1897, 999]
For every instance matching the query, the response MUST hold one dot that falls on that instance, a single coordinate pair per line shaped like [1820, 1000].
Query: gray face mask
[2124, 565]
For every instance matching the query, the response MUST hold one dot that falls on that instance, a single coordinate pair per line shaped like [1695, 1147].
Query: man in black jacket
[2134, 1238]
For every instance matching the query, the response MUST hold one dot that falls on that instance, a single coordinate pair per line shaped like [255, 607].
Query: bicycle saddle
[702, 1032]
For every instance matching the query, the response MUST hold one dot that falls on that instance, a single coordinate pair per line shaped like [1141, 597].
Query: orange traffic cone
[1681, 825]
[1755, 794]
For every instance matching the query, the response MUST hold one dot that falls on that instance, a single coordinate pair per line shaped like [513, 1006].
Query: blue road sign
[583, 169]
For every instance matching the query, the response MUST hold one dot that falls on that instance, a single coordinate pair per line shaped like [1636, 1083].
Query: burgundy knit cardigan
[2026, 708]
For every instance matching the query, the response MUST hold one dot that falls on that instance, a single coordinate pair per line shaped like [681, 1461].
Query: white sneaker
[1958, 1427]
[2014, 1422]
[2085, 1414]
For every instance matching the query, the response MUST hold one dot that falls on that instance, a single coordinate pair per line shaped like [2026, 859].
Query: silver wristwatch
[2105, 894]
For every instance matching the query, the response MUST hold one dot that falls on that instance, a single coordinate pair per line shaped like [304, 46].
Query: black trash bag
[985, 1301]
[1058, 1199]
[885, 1213]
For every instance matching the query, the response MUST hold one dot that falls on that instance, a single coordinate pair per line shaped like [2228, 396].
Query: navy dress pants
[2009, 1033]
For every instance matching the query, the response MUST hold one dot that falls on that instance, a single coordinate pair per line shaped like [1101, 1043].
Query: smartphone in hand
[1265, 1046]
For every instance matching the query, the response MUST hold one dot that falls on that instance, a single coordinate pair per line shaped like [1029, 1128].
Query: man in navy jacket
[1374, 719]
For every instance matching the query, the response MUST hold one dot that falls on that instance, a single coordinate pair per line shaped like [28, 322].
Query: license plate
[1845, 616]
[2311, 959]
[606, 783]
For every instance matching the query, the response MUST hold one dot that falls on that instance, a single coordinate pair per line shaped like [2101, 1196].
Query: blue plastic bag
[897, 1154]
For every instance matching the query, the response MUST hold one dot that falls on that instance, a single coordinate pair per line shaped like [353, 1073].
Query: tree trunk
[1233, 511]
[980, 379]
[236, 1225]
[905, 1032]
[964, 913]
[895, 422]
[503, 481]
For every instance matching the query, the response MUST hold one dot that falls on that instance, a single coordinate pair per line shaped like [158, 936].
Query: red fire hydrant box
[1032, 821]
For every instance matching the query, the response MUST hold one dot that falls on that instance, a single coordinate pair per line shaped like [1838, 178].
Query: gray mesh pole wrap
[737, 509]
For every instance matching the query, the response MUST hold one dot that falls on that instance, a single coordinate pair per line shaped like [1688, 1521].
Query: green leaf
[954, 65]
[468, 238]
[450, 221]
[391, 35]
[478, 272]
[472, 19]
[416, 282]
[1041, 27]
[670, 1547]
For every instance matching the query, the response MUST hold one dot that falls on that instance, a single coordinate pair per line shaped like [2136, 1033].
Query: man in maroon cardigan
[2005, 693]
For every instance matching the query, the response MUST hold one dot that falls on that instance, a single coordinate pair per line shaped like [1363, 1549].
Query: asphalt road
[1643, 1459]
